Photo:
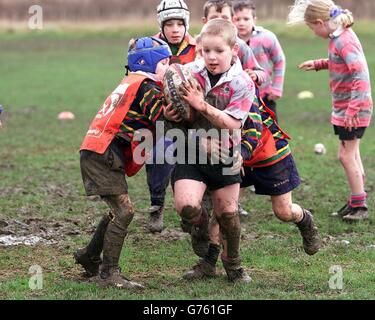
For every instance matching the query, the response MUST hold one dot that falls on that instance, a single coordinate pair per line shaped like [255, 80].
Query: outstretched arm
[314, 65]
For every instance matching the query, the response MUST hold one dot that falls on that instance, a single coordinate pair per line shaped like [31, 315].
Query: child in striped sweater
[350, 87]
[266, 48]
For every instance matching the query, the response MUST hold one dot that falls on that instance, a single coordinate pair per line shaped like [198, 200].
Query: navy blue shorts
[274, 180]
[345, 134]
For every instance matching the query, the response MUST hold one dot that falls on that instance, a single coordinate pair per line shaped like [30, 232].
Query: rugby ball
[173, 79]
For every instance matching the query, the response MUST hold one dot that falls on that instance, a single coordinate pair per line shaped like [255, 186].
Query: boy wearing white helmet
[106, 155]
[173, 18]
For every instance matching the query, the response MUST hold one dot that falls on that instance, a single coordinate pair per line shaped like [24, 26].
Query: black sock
[212, 254]
[304, 219]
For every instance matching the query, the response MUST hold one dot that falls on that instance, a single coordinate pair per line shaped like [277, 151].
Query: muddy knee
[284, 213]
[190, 213]
[122, 209]
[289, 213]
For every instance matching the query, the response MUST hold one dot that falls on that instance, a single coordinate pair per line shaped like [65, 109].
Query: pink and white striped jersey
[249, 61]
[349, 78]
[271, 57]
[233, 93]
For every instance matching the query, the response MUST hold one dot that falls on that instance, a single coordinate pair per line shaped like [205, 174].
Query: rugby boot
[155, 222]
[202, 269]
[356, 214]
[234, 271]
[112, 277]
[309, 233]
[342, 212]
[89, 256]
[89, 263]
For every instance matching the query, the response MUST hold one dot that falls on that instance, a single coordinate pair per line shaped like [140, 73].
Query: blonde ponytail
[326, 10]
[344, 19]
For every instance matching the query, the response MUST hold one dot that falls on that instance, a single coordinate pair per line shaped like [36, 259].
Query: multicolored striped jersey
[269, 54]
[252, 132]
[184, 52]
[145, 110]
[349, 78]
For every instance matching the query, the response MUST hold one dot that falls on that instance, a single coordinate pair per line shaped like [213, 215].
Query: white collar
[234, 70]
[337, 32]
[257, 29]
[150, 75]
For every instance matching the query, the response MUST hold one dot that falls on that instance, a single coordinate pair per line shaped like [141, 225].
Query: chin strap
[127, 70]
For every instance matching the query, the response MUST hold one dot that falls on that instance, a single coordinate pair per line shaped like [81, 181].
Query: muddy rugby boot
[89, 263]
[356, 214]
[201, 270]
[155, 222]
[113, 278]
[238, 275]
[89, 257]
[235, 272]
[342, 212]
[309, 233]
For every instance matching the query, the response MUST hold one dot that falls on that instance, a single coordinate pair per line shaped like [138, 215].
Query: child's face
[320, 28]
[217, 54]
[174, 31]
[225, 14]
[244, 21]
[161, 68]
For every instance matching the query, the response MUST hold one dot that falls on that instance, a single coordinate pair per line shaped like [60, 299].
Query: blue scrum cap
[147, 53]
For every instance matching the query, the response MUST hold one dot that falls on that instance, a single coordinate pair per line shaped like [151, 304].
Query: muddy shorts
[274, 180]
[345, 134]
[103, 174]
[211, 175]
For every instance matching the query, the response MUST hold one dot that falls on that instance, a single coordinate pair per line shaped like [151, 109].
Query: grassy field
[47, 72]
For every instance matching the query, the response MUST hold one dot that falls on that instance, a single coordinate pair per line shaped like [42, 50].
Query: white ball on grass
[305, 95]
[319, 148]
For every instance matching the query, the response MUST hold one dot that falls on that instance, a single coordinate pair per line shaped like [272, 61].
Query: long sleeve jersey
[349, 78]
[271, 57]
[252, 131]
[249, 61]
[145, 110]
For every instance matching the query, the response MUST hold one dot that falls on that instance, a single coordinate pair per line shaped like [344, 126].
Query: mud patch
[249, 236]
[14, 191]
[57, 191]
[170, 235]
[167, 235]
[49, 190]
[34, 230]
